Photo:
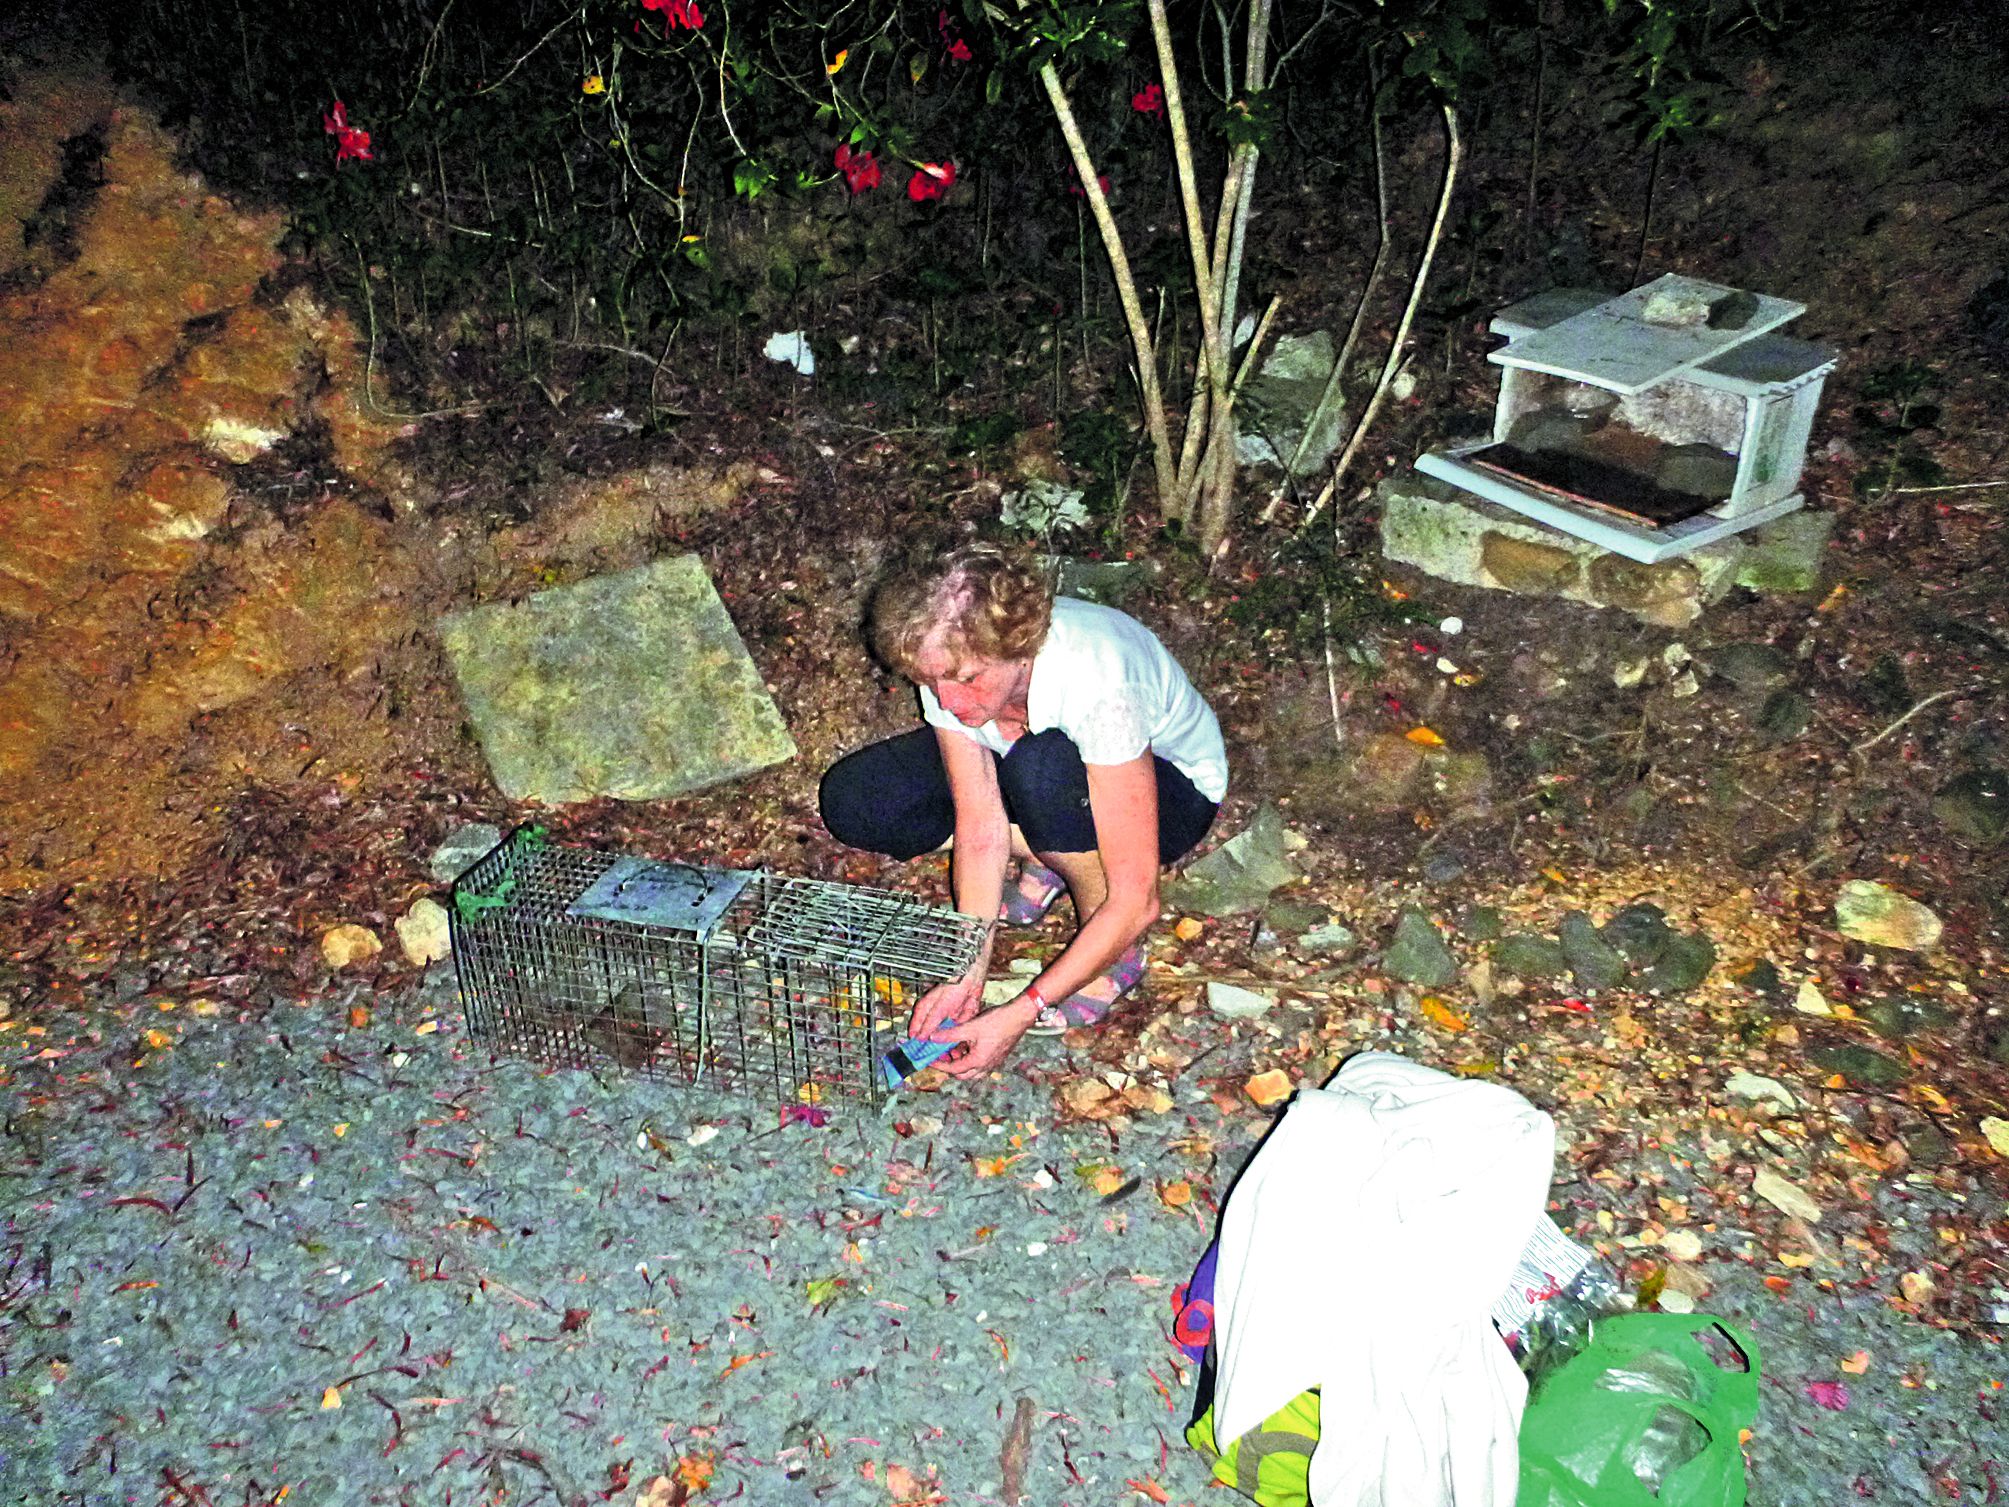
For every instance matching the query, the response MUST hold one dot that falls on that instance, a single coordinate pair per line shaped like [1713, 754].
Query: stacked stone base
[1464, 539]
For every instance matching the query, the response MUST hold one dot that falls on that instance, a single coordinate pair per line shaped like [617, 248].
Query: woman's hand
[988, 1039]
[949, 1004]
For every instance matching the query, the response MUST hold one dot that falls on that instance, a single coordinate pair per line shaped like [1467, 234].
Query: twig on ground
[1936, 696]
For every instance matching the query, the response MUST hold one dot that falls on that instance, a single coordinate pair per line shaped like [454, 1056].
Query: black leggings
[893, 797]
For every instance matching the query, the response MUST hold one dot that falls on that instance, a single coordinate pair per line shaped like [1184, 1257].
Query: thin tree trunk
[1453, 155]
[1126, 290]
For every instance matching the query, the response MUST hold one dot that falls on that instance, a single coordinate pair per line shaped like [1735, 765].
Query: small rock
[1676, 307]
[1640, 932]
[1684, 685]
[1479, 923]
[1267, 1088]
[1761, 977]
[1292, 918]
[1751, 1086]
[1975, 806]
[343, 945]
[1785, 715]
[1859, 1065]
[1233, 1003]
[1895, 1017]
[1788, 1198]
[1332, 937]
[1683, 964]
[1674, 1300]
[1927, 1146]
[1998, 1045]
[1479, 979]
[1416, 953]
[423, 932]
[1594, 962]
[1917, 1287]
[1628, 673]
[465, 846]
[1810, 1000]
[1442, 868]
[1876, 914]
[1749, 667]
[1530, 957]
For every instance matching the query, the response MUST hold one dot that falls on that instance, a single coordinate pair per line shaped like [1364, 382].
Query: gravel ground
[370, 1264]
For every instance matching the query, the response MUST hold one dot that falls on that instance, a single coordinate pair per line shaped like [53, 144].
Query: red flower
[1150, 100]
[931, 180]
[1074, 183]
[860, 169]
[957, 47]
[350, 143]
[677, 13]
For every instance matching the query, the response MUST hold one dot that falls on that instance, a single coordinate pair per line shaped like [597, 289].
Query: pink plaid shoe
[1096, 999]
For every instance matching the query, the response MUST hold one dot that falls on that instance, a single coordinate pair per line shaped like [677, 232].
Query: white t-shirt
[1105, 680]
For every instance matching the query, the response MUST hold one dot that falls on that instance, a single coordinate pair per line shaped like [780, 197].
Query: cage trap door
[675, 896]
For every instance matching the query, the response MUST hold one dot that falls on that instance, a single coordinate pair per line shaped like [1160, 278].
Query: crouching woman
[1057, 732]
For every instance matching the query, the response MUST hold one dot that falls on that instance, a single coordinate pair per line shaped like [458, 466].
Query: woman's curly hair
[991, 603]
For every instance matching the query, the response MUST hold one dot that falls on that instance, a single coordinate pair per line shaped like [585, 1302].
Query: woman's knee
[886, 798]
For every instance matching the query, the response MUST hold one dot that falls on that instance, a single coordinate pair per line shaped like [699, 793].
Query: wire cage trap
[732, 980]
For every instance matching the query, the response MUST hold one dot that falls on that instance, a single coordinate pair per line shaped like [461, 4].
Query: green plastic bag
[1645, 1416]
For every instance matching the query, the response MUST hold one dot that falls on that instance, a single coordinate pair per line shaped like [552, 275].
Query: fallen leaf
[1682, 1245]
[695, 1471]
[1428, 739]
[822, 1289]
[574, 1320]
[1917, 1287]
[425, 1027]
[157, 1039]
[1785, 1196]
[1147, 1099]
[1189, 929]
[359, 1016]
[1149, 1489]
[1856, 1364]
[1440, 1014]
[332, 1397]
[993, 1166]
[1089, 1098]
[1272, 1087]
[1810, 1000]
[1175, 1195]
[1832, 1395]
[663, 1492]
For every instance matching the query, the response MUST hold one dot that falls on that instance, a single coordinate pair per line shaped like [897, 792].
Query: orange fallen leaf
[695, 1471]
[1424, 736]
[1779, 1284]
[994, 1166]
[1555, 876]
[1933, 1097]
[1175, 1195]
[1272, 1087]
[359, 1016]
[332, 1398]
[1856, 1364]
[743, 1360]
[1106, 1180]
[1438, 1013]
[1150, 1489]
[1189, 929]
[1833, 599]
[157, 1039]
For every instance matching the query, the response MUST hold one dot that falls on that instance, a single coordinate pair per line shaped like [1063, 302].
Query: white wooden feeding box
[1650, 424]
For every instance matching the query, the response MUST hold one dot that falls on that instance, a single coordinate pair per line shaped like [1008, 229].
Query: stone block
[1786, 554]
[635, 685]
[1468, 541]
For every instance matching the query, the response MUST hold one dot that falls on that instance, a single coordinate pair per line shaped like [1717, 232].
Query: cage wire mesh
[731, 980]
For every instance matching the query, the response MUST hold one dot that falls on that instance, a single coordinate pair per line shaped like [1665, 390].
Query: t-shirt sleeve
[1111, 729]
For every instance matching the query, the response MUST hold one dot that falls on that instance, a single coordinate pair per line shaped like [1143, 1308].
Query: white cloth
[1360, 1252]
[1105, 680]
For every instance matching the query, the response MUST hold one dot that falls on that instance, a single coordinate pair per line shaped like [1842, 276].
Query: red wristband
[1032, 993]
